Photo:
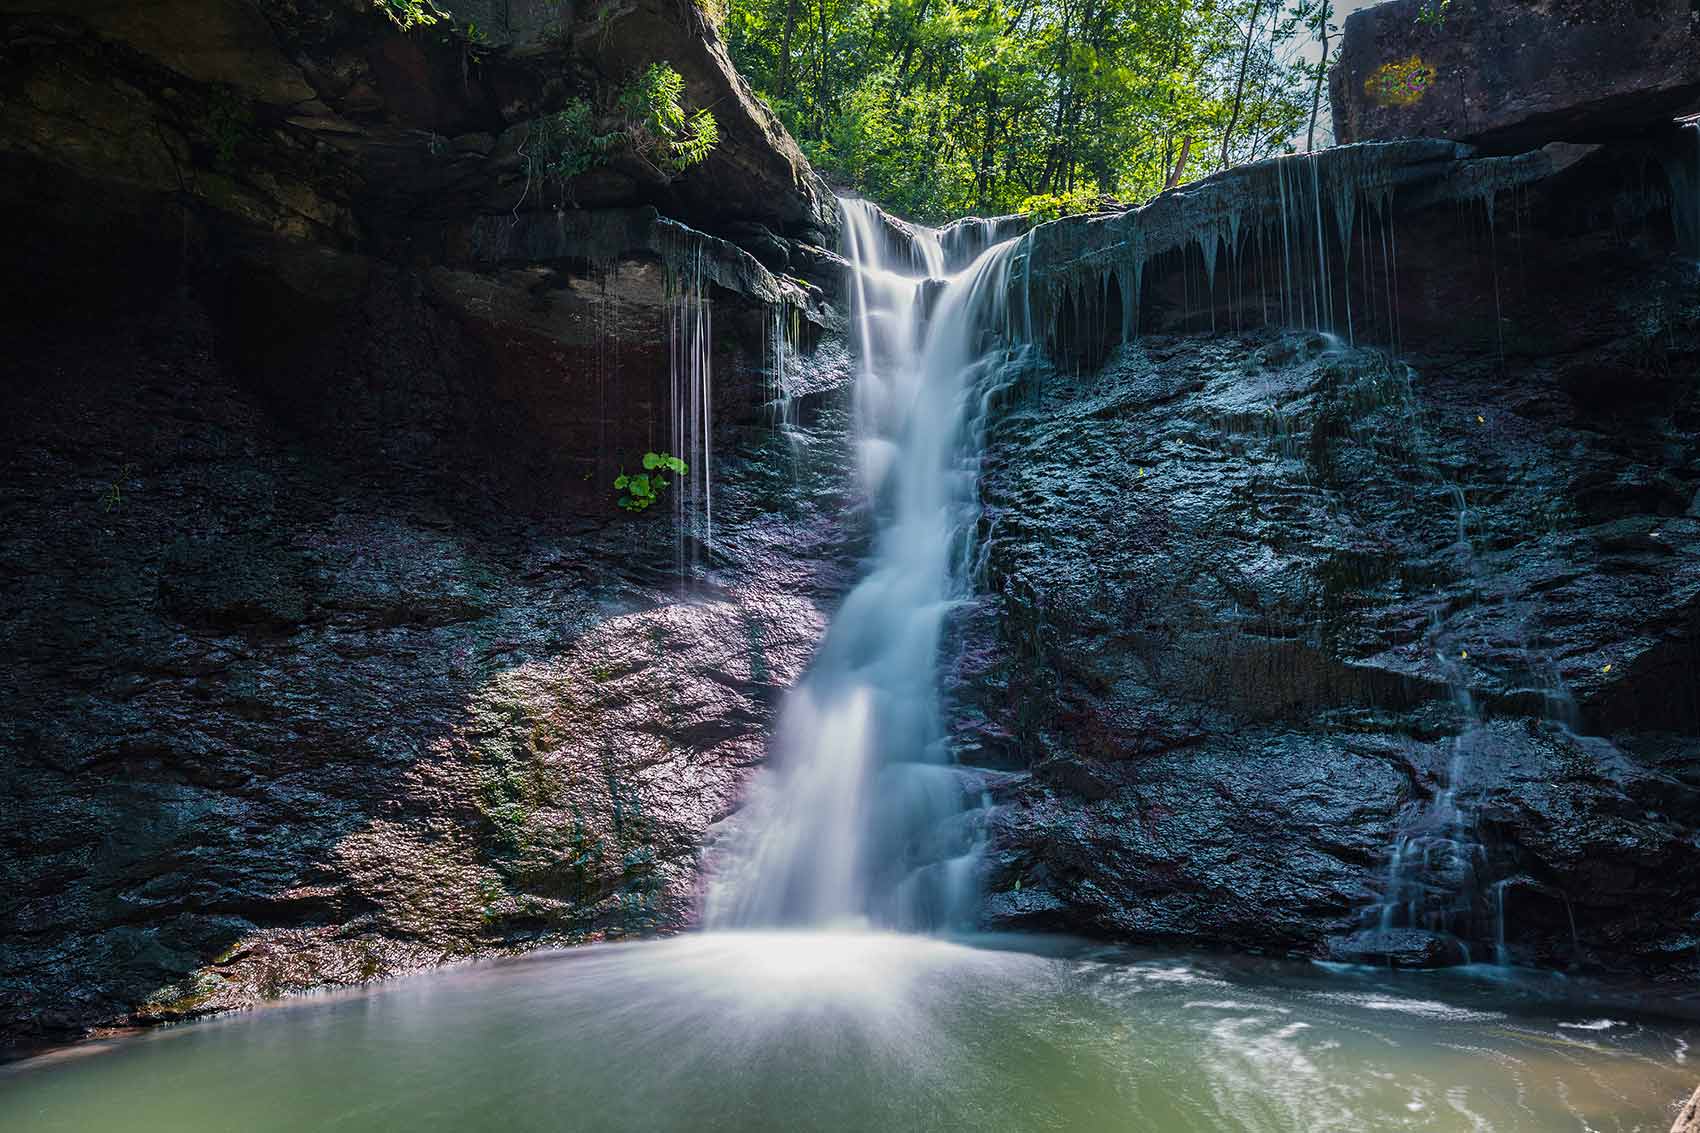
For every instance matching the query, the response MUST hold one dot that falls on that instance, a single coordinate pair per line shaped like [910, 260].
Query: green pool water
[853, 1031]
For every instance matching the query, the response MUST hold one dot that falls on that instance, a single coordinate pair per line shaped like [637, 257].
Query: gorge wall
[334, 658]
[1274, 612]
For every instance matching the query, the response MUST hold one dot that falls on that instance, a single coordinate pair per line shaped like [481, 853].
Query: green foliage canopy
[940, 108]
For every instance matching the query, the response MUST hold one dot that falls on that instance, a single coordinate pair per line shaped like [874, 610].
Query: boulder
[1688, 1121]
[759, 241]
[1514, 75]
[1406, 948]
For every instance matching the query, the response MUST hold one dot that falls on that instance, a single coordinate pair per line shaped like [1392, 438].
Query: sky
[1310, 50]
[1342, 9]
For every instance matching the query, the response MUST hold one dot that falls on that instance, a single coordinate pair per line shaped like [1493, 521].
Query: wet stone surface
[1239, 616]
[284, 716]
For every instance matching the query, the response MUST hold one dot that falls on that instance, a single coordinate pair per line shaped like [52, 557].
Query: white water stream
[862, 816]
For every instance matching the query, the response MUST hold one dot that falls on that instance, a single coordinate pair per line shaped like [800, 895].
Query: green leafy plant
[1433, 12]
[113, 496]
[646, 487]
[657, 125]
[1052, 206]
[230, 123]
[410, 14]
[567, 143]
[647, 115]
[474, 43]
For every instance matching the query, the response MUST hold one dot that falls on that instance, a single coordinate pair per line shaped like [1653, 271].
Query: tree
[1239, 86]
[938, 108]
[1317, 18]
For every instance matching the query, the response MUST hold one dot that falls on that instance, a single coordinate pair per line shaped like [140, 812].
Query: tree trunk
[1180, 166]
[783, 82]
[901, 87]
[988, 148]
[1321, 70]
[820, 76]
[1239, 87]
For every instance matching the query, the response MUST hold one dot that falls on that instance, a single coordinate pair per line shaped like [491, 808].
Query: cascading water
[862, 815]
[1437, 896]
[1435, 868]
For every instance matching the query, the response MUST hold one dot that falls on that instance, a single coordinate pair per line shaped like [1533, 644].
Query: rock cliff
[1378, 643]
[332, 655]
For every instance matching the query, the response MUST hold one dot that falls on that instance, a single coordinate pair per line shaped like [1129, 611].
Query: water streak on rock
[690, 330]
[1303, 241]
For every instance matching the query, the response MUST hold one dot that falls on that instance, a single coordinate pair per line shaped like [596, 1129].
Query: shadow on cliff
[336, 664]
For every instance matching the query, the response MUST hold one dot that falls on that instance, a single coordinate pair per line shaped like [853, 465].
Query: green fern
[567, 143]
[693, 145]
[661, 132]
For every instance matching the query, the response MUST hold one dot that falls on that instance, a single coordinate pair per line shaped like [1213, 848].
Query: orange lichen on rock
[1402, 83]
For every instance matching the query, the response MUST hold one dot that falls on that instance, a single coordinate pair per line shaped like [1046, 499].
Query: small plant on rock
[410, 14]
[567, 143]
[657, 125]
[113, 497]
[645, 118]
[645, 488]
[1433, 12]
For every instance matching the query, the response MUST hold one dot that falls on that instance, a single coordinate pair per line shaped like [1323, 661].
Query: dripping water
[1685, 187]
[784, 331]
[861, 816]
[690, 329]
[1437, 861]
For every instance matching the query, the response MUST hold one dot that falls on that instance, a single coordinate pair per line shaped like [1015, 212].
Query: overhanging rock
[1511, 75]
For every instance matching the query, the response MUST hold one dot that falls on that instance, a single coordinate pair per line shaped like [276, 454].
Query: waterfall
[861, 815]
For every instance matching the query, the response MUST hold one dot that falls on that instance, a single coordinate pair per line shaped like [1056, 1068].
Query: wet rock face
[1234, 664]
[1262, 605]
[1514, 75]
[301, 705]
[336, 658]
